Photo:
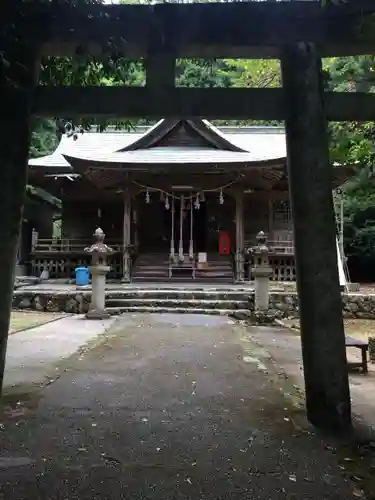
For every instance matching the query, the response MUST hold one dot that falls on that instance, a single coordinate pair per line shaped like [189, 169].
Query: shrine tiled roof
[234, 145]
[176, 155]
[86, 143]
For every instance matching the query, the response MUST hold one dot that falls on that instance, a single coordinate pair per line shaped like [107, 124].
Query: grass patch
[25, 320]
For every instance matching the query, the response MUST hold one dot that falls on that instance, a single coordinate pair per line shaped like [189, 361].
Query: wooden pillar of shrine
[18, 76]
[126, 263]
[270, 218]
[240, 235]
[310, 185]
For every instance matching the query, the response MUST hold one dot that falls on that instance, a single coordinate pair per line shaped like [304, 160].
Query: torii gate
[299, 33]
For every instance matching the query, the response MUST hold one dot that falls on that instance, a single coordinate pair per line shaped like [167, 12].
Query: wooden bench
[363, 346]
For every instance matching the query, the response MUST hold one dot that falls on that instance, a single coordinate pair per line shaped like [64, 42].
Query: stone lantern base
[261, 277]
[97, 307]
[95, 314]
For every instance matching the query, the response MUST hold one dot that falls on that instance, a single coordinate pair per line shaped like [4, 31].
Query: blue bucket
[82, 276]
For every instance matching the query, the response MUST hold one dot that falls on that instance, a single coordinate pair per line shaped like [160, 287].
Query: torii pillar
[310, 184]
[19, 68]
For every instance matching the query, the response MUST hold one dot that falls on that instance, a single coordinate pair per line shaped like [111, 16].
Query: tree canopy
[353, 144]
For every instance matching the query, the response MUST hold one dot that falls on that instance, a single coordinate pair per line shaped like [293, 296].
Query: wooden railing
[281, 242]
[44, 245]
[281, 247]
[61, 263]
[276, 247]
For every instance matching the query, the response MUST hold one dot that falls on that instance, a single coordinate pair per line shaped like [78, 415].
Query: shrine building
[181, 200]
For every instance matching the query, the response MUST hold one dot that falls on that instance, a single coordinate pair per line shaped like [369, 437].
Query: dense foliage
[120, 71]
[353, 144]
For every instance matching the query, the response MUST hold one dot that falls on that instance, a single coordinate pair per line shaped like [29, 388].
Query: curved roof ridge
[152, 135]
[223, 141]
[203, 127]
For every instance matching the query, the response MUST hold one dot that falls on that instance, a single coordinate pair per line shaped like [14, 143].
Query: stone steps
[199, 301]
[150, 267]
[224, 294]
[214, 275]
[181, 278]
[173, 310]
[155, 267]
[153, 272]
[166, 303]
[162, 278]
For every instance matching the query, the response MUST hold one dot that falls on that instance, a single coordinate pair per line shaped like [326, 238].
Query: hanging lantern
[202, 197]
[221, 198]
[99, 213]
[166, 202]
[147, 196]
[197, 204]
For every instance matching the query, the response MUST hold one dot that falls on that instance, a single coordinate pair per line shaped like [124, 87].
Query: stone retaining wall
[355, 305]
[282, 304]
[70, 302]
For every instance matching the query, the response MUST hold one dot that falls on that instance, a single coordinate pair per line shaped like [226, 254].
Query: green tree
[261, 73]
[353, 144]
[203, 73]
[44, 138]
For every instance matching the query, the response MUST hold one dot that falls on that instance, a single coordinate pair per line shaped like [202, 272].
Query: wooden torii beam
[155, 101]
[246, 29]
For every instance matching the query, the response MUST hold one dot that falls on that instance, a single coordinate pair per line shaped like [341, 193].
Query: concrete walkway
[33, 355]
[284, 346]
[167, 408]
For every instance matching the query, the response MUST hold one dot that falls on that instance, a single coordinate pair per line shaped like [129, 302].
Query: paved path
[284, 345]
[33, 355]
[168, 408]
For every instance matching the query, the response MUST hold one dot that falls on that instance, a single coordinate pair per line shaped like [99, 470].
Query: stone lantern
[99, 268]
[261, 271]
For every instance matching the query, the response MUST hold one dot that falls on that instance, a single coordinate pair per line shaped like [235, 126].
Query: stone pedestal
[262, 287]
[97, 307]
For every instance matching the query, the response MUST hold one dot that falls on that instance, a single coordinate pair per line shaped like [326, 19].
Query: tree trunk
[18, 72]
[322, 331]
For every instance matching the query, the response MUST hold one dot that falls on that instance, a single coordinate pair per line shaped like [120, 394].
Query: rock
[71, 306]
[264, 317]
[16, 300]
[40, 303]
[79, 298]
[241, 314]
[25, 303]
[85, 307]
[52, 305]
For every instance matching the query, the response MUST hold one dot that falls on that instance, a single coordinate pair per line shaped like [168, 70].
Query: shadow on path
[168, 407]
